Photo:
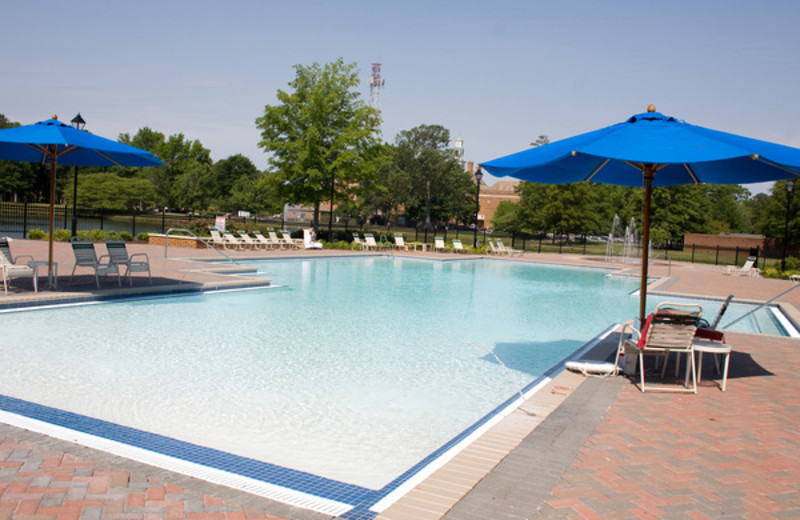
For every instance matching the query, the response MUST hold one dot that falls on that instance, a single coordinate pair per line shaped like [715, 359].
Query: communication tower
[375, 85]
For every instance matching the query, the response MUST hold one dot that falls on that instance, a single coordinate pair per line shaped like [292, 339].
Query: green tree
[438, 185]
[507, 218]
[18, 180]
[180, 156]
[318, 133]
[772, 223]
[110, 191]
[229, 178]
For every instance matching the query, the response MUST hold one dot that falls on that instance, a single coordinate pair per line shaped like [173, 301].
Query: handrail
[207, 244]
[385, 240]
[740, 318]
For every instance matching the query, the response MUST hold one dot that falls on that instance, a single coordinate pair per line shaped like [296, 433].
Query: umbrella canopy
[648, 150]
[54, 142]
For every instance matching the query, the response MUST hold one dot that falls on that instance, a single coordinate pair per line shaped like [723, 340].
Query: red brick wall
[703, 242]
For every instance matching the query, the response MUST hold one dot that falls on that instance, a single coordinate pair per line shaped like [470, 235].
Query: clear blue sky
[498, 74]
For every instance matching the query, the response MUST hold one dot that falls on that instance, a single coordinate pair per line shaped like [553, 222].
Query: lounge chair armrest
[17, 259]
[134, 255]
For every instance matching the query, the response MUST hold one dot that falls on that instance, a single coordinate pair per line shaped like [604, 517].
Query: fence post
[133, 224]
[163, 221]
[65, 216]
[693, 253]
[736, 262]
[716, 259]
[25, 220]
[560, 245]
[101, 219]
[540, 243]
[584, 244]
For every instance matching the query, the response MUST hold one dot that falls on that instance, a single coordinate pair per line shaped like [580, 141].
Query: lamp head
[78, 122]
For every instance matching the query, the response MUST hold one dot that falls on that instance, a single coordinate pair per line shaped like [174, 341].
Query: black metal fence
[17, 219]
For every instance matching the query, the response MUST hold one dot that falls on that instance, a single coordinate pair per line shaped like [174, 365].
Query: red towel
[711, 334]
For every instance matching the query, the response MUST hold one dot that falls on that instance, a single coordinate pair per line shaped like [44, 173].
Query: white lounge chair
[137, 262]
[13, 266]
[507, 250]
[85, 256]
[263, 241]
[216, 238]
[231, 241]
[458, 247]
[493, 248]
[289, 241]
[248, 241]
[399, 242]
[310, 240]
[748, 269]
[369, 241]
[273, 236]
[438, 244]
[670, 328]
[357, 240]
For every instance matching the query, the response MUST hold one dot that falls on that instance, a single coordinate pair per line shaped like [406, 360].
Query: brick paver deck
[609, 451]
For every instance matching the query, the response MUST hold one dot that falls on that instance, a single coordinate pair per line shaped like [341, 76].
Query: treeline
[589, 209]
[324, 146]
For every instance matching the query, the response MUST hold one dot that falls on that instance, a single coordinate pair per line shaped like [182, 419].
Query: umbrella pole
[51, 218]
[649, 172]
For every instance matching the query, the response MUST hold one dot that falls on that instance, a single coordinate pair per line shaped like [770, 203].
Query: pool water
[351, 369]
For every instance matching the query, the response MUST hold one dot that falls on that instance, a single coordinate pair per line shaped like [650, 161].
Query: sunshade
[648, 150]
[54, 142]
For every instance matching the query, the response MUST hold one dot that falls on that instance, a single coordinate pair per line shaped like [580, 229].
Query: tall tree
[179, 154]
[438, 184]
[18, 180]
[234, 171]
[317, 134]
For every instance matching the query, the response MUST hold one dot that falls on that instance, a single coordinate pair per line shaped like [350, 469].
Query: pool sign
[220, 223]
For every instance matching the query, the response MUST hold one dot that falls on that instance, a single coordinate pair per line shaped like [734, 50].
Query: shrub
[792, 263]
[143, 236]
[37, 234]
[62, 235]
[199, 227]
[98, 235]
[124, 235]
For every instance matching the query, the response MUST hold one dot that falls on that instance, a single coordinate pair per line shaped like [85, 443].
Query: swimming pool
[350, 370]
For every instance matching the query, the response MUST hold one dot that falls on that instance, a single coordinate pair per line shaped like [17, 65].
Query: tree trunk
[428, 204]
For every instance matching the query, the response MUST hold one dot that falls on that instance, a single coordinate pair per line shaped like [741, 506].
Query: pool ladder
[388, 245]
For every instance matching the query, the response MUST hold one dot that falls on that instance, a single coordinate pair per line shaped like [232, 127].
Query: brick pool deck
[582, 448]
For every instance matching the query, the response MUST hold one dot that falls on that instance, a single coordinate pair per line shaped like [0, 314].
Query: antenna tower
[375, 85]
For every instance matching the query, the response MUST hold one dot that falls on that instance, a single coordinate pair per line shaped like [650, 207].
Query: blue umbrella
[649, 150]
[54, 142]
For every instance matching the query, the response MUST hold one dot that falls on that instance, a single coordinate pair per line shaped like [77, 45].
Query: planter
[157, 239]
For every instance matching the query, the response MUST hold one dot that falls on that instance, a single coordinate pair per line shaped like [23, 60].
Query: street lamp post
[789, 193]
[478, 178]
[78, 123]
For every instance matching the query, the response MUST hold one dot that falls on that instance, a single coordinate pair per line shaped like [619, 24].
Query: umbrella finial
[651, 108]
[55, 116]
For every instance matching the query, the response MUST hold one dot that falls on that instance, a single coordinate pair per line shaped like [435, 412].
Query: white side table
[51, 283]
